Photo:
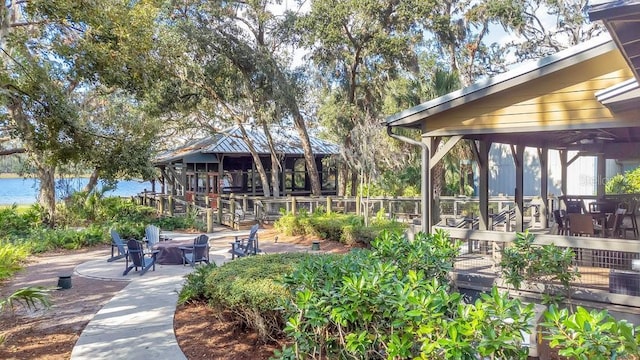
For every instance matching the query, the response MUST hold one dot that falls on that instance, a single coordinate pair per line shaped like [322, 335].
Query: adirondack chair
[151, 235]
[246, 246]
[196, 253]
[138, 258]
[117, 245]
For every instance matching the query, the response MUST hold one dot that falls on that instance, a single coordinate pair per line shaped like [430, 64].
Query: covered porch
[583, 101]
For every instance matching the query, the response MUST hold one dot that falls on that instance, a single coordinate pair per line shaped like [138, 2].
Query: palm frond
[31, 297]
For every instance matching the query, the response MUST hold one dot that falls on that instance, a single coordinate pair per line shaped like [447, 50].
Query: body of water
[25, 191]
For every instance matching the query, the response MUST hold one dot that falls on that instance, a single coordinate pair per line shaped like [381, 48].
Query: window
[299, 174]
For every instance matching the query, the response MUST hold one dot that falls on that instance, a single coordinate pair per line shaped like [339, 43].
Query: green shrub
[119, 209]
[346, 228]
[251, 289]
[388, 303]
[544, 264]
[194, 288]
[188, 222]
[289, 224]
[591, 335]
[15, 224]
[11, 258]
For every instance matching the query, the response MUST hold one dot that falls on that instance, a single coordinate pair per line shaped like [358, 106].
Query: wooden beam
[483, 176]
[574, 158]
[476, 152]
[543, 157]
[442, 151]
[563, 171]
[519, 198]
[601, 174]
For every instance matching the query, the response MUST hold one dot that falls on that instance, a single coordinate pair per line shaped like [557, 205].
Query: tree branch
[6, 152]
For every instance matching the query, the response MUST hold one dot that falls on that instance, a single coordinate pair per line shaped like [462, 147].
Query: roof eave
[622, 18]
[545, 66]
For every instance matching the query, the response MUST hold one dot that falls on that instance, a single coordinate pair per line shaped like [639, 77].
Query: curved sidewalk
[138, 321]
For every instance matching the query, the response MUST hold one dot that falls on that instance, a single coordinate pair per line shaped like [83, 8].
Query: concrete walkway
[137, 323]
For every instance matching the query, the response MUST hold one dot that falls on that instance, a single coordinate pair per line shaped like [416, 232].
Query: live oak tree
[545, 27]
[355, 46]
[53, 55]
[239, 68]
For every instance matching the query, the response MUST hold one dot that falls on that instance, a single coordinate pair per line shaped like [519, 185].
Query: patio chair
[117, 245]
[246, 246]
[631, 213]
[138, 258]
[151, 235]
[196, 253]
[581, 224]
[559, 217]
[614, 223]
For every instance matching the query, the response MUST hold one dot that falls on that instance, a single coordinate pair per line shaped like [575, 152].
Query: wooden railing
[605, 263]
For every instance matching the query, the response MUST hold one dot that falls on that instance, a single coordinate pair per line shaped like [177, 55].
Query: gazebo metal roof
[230, 141]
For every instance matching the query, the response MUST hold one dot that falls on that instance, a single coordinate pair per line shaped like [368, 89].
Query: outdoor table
[169, 252]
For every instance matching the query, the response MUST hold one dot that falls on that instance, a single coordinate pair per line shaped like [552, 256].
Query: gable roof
[230, 141]
[412, 117]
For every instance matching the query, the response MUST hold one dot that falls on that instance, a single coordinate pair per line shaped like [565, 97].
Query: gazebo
[222, 163]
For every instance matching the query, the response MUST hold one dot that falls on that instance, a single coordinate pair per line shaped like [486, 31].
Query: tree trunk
[256, 159]
[275, 162]
[47, 193]
[46, 174]
[354, 183]
[312, 169]
[343, 172]
[291, 102]
[93, 181]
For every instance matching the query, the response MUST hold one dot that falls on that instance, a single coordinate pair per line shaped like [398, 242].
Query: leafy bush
[389, 303]
[629, 183]
[289, 224]
[179, 222]
[524, 261]
[14, 224]
[118, 209]
[194, 288]
[42, 240]
[11, 257]
[591, 335]
[251, 289]
[345, 228]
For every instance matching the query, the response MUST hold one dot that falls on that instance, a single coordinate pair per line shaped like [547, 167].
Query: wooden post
[232, 205]
[207, 201]
[209, 220]
[232, 209]
[328, 204]
[219, 204]
[245, 202]
[358, 206]
[293, 205]
[161, 205]
[171, 206]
